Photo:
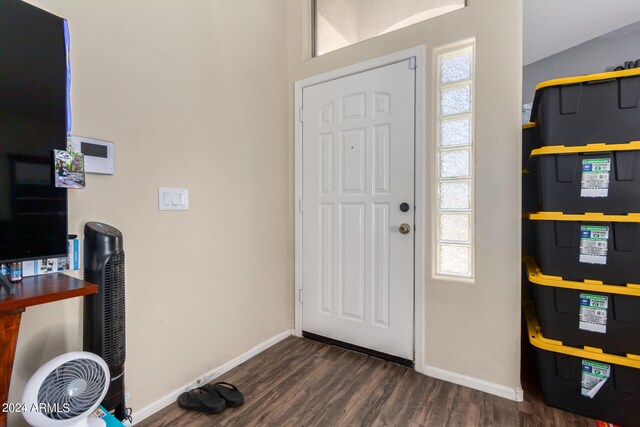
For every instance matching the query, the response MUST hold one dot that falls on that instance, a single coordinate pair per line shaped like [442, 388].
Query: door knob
[404, 228]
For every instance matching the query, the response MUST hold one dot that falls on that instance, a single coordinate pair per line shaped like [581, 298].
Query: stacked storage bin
[584, 273]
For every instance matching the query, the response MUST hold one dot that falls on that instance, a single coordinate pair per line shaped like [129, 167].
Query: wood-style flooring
[300, 382]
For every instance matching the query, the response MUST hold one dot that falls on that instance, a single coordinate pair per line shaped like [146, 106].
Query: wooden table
[30, 291]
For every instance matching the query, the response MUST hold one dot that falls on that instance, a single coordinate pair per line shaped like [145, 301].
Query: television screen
[33, 122]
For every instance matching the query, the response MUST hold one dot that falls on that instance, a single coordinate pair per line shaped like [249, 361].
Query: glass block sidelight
[454, 260]
[455, 164]
[455, 228]
[456, 67]
[455, 132]
[454, 118]
[455, 195]
[455, 100]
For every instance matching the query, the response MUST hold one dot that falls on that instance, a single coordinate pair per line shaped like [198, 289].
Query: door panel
[358, 167]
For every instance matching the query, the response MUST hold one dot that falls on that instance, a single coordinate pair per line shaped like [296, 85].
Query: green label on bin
[593, 313]
[595, 178]
[593, 244]
[594, 375]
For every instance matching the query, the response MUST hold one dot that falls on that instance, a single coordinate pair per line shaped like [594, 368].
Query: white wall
[194, 93]
[471, 329]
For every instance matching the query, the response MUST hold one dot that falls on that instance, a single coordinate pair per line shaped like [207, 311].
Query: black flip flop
[202, 401]
[230, 393]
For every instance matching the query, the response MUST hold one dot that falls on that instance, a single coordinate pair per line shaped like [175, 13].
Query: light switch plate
[173, 199]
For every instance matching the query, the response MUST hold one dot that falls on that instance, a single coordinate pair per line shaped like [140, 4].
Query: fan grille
[114, 317]
[71, 389]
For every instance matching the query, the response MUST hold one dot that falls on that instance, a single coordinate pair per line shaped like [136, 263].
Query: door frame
[420, 151]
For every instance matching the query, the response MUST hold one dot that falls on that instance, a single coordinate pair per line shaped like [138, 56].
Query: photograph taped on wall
[69, 169]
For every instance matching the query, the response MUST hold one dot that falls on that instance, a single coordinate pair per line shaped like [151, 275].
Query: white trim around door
[420, 179]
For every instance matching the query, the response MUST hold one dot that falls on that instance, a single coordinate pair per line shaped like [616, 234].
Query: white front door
[357, 176]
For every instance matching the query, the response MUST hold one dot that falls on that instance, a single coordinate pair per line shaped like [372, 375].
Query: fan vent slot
[114, 350]
[71, 389]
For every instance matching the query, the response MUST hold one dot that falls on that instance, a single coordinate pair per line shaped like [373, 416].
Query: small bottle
[16, 271]
[4, 270]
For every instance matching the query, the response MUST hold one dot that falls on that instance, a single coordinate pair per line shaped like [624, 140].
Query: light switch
[173, 199]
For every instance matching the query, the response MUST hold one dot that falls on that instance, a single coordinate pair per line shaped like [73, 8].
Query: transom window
[340, 23]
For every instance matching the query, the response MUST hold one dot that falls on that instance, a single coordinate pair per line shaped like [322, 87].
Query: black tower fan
[104, 316]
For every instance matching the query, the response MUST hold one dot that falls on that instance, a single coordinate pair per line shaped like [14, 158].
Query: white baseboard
[168, 399]
[516, 394]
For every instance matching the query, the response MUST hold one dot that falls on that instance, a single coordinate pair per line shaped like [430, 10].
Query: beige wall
[471, 329]
[194, 93]
[197, 94]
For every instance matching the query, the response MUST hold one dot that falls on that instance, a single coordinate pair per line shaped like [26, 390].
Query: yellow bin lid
[579, 79]
[538, 340]
[537, 277]
[589, 148]
[589, 216]
[588, 78]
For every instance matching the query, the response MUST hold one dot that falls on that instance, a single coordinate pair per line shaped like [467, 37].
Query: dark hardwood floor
[300, 382]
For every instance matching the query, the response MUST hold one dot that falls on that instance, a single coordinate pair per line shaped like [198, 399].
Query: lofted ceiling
[551, 26]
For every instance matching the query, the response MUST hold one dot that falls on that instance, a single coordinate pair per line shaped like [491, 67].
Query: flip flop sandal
[200, 400]
[230, 393]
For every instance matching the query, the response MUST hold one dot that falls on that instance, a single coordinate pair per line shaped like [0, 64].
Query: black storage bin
[594, 178]
[526, 285]
[561, 370]
[586, 314]
[588, 109]
[618, 401]
[530, 194]
[559, 312]
[529, 238]
[530, 141]
[589, 246]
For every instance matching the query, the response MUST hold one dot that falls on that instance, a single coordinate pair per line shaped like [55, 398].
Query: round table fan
[66, 390]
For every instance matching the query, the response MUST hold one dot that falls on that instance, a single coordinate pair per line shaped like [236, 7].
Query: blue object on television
[67, 51]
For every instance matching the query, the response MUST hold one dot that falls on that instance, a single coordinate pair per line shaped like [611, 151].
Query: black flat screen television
[33, 122]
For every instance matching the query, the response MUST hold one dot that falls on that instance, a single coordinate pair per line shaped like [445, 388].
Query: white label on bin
[595, 177]
[593, 313]
[593, 244]
[594, 375]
